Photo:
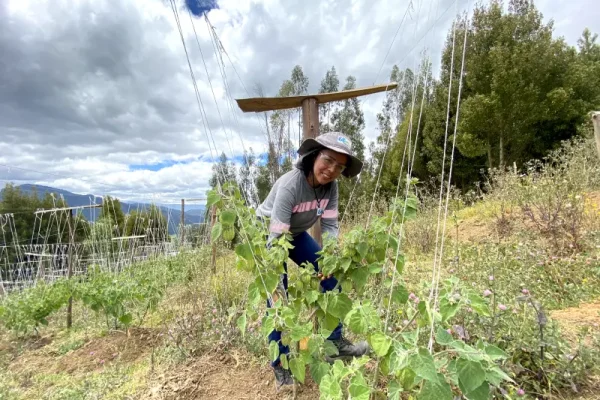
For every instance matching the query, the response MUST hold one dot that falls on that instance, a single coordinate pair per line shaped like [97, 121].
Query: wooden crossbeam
[261, 104]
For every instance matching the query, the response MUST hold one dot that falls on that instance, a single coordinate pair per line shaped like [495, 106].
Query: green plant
[119, 295]
[30, 308]
[408, 361]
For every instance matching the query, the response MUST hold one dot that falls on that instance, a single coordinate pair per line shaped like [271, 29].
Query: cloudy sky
[96, 95]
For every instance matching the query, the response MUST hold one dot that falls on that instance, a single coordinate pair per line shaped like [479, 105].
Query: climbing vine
[400, 359]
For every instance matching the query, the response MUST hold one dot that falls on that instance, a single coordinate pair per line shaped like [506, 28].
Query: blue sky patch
[199, 7]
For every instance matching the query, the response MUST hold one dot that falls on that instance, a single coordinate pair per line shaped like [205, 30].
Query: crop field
[509, 309]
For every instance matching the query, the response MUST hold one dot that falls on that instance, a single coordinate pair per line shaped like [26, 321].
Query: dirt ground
[233, 375]
[94, 354]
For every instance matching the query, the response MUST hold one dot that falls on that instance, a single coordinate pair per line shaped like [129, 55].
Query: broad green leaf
[435, 390]
[359, 276]
[375, 268]
[301, 331]
[423, 366]
[284, 361]
[470, 374]
[345, 263]
[356, 321]
[452, 373]
[495, 353]
[267, 326]
[273, 350]
[479, 305]
[394, 390]
[244, 250]
[480, 393]
[447, 309]
[254, 296]
[330, 322]
[227, 217]
[311, 296]
[362, 249]
[339, 305]
[241, 323]
[318, 370]
[399, 263]
[380, 343]
[270, 280]
[359, 389]
[346, 286]
[330, 388]
[496, 376]
[298, 368]
[212, 198]
[400, 295]
[330, 349]
[216, 231]
[443, 337]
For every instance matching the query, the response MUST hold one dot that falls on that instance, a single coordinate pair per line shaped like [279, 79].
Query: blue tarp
[199, 7]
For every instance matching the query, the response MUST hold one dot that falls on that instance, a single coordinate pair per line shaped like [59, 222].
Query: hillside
[172, 213]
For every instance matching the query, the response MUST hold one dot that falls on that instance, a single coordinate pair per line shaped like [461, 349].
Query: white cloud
[89, 88]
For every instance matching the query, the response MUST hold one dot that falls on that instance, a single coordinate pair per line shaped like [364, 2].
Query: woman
[301, 197]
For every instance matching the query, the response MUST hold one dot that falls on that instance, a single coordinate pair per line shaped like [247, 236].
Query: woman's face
[328, 166]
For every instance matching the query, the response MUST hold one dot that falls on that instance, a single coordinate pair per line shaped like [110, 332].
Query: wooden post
[70, 268]
[310, 129]
[310, 114]
[182, 222]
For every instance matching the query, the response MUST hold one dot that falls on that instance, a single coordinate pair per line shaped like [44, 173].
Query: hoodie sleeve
[281, 213]
[329, 220]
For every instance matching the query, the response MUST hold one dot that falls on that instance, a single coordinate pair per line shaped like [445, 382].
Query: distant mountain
[194, 213]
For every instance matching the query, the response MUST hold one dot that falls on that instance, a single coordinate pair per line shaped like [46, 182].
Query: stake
[213, 218]
[182, 222]
[70, 269]
[310, 114]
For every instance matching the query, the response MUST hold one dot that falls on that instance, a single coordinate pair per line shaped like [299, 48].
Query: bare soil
[232, 375]
[117, 347]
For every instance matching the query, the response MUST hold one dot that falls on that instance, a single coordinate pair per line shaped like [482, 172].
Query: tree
[280, 146]
[223, 172]
[247, 178]
[521, 102]
[112, 214]
[329, 84]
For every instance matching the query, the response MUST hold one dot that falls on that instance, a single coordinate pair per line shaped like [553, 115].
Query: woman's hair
[307, 162]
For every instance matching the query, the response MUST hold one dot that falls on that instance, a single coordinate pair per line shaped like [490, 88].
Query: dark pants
[305, 250]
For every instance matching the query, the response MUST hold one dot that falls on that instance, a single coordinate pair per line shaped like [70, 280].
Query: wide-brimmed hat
[337, 142]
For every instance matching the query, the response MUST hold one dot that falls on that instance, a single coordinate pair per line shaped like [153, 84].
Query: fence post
[70, 268]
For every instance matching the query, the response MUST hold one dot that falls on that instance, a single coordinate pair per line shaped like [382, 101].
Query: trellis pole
[310, 114]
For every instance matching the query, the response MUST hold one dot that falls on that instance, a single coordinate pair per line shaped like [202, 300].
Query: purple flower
[491, 278]
[214, 310]
[412, 296]
[502, 307]
[525, 291]
[452, 271]
[487, 292]
[449, 331]
[91, 353]
[521, 392]
[469, 310]
[101, 361]
[416, 300]
[405, 322]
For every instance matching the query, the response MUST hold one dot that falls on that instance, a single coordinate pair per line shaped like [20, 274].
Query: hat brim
[353, 167]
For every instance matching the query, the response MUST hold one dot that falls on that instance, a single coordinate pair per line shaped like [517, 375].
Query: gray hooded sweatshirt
[292, 205]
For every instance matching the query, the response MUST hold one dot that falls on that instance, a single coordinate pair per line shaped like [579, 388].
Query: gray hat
[337, 142]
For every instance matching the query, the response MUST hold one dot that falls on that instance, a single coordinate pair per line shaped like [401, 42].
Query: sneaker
[347, 350]
[283, 376]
